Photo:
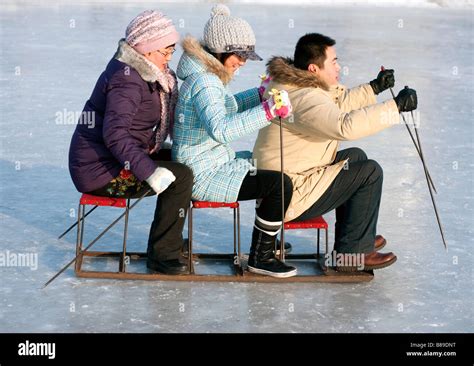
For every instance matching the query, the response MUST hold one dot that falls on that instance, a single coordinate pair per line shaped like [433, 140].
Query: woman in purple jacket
[117, 147]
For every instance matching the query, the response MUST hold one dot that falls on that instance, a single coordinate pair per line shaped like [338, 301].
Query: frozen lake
[51, 56]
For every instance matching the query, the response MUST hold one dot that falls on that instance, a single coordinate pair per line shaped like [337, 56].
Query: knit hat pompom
[220, 9]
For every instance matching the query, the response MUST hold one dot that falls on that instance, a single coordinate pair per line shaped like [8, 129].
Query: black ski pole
[75, 224]
[94, 241]
[431, 186]
[282, 242]
[427, 181]
[417, 147]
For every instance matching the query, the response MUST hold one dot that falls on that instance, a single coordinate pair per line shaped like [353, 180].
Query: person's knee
[374, 169]
[288, 184]
[183, 173]
[187, 174]
[356, 154]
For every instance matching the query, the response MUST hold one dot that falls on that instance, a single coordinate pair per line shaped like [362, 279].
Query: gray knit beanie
[226, 34]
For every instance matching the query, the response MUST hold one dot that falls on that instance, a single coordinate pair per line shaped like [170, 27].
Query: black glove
[385, 79]
[406, 100]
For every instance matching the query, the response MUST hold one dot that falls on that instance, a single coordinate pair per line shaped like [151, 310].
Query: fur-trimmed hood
[196, 59]
[146, 69]
[282, 71]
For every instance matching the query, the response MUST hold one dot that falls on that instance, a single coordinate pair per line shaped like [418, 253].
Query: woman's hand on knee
[160, 179]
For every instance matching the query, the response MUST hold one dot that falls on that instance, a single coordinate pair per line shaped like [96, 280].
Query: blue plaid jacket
[207, 119]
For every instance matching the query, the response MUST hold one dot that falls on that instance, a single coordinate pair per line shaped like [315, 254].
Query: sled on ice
[220, 267]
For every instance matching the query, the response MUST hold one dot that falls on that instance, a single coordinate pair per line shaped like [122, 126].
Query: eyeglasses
[166, 54]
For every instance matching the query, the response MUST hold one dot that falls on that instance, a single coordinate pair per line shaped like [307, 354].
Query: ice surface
[51, 56]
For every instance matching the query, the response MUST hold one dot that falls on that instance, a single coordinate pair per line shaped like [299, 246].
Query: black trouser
[355, 194]
[266, 185]
[166, 233]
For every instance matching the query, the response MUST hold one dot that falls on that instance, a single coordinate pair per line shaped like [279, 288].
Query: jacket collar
[147, 70]
[194, 49]
[282, 71]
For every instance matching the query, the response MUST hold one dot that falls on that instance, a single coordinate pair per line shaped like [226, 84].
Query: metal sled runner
[231, 267]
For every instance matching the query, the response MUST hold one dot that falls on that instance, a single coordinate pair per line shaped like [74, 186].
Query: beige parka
[322, 116]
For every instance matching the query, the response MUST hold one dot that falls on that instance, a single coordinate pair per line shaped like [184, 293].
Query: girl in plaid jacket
[208, 117]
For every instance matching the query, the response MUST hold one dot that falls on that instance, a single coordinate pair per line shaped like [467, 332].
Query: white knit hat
[149, 31]
[226, 34]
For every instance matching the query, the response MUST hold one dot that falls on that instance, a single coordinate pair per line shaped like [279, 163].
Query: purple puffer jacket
[116, 129]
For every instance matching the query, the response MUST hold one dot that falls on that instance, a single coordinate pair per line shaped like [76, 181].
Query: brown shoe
[352, 262]
[376, 260]
[380, 242]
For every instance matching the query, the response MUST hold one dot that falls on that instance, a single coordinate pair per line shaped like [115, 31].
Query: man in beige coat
[324, 113]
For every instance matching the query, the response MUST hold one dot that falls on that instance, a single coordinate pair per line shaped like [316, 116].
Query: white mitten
[160, 179]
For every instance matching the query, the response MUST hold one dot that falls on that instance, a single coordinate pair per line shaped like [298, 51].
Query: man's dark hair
[311, 49]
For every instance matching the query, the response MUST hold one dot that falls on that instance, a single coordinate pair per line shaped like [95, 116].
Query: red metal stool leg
[122, 263]
[325, 268]
[80, 235]
[239, 252]
[235, 232]
[237, 255]
[190, 240]
[327, 241]
[317, 253]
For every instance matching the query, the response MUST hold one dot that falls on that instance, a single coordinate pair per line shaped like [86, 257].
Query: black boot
[262, 257]
[170, 266]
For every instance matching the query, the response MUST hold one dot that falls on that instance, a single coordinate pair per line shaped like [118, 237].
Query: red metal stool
[315, 223]
[96, 201]
[236, 256]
